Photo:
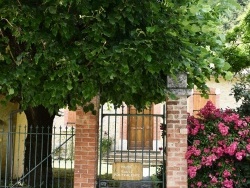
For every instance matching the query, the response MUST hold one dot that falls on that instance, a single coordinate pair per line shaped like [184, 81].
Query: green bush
[106, 144]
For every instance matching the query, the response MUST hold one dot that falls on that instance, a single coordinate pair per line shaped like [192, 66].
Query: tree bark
[37, 162]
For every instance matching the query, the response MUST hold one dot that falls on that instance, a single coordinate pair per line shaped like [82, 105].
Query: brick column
[86, 148]
[176, 164]
[176, 139]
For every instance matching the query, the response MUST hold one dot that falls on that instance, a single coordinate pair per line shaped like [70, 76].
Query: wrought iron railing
[130, 139]
[37, 157]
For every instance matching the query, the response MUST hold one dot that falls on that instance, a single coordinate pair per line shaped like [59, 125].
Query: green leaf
[227, 66]
[1, 57]
[229, 75]
[11, 91]
[194, 9]
[52, 10]
[206, 29]
[69, 87]
[112, 20]
[150, 29]
[195, 28]
[206, 8]
[148, 58]
[37, 57]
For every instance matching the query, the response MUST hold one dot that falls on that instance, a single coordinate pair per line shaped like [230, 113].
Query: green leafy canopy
[58, 53]
[237, 49]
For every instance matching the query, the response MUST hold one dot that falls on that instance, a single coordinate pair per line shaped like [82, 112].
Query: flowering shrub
[219, 146]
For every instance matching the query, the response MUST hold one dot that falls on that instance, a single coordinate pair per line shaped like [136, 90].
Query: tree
[241, 92]
[237, 50]
[237, 55]
[58, 53]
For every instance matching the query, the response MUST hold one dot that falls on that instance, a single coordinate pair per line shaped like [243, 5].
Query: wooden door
[140, 129]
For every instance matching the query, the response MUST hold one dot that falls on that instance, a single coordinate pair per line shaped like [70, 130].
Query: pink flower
[243, 133]
[239, 123]
[197, 152]
[207, 110]
[218, 151]
[202, 127]
[197, 142]
[199, 184]
[190, 161]
[228, 183]
[231, 149]
[226, 174]
[247, 119]
[240, 154]
[193, 125]
[192, 171]
[208, 161]
[213, 179]
[223, 129]
[206, 150]
[192, 150]
[222, 143]
[248, 148]
[230, 118]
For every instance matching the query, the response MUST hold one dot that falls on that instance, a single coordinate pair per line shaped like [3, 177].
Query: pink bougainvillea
[219, 141]
[223, 129]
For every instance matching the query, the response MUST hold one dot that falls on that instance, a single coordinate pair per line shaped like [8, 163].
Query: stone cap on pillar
[178, 85]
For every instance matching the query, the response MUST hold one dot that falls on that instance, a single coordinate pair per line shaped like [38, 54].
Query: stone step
[152, 158]
[132, 160]
[136, 151]
[116, 156]
[134, 154]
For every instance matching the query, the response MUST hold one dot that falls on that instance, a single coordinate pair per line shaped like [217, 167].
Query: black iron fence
[37, 157]
[131, 148]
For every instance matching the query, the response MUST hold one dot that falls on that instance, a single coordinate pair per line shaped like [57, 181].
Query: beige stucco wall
[5, 111]
[18, 119]
[223, 88]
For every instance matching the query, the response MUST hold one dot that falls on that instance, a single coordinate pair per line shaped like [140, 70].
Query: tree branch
[7, 21]
[19, 3]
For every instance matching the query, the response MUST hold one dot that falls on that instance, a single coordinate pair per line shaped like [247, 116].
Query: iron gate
[135, 140]
[49, 157]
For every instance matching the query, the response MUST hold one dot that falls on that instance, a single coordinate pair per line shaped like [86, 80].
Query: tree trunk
[37, 162]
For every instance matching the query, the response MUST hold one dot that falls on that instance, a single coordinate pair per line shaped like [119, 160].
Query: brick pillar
[176, 164]
[176, 139]
[86, 148]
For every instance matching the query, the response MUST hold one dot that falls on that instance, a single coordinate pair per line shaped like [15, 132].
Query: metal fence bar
[34, 181]
[53, 161]
[164, 149]
[12, 168]
[65, 157]
[1, 153]
[148, 154]
[122, 119]
[58, 175]
[48, 155]
[29, 157]
[71, 161]
[41, 156]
